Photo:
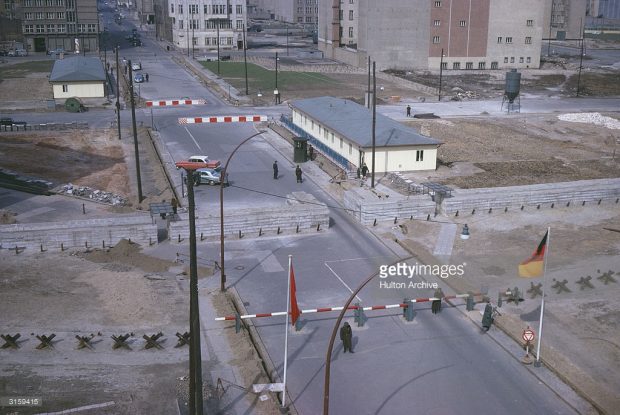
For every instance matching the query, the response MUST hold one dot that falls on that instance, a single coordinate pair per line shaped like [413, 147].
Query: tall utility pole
[118, 93]
[368, 89]
[580, 65]
[217, 26]
[286, 39]
[440, 73]
[188, 30]
[374, 123]
[193, 56]
[135, 133]
[245, 61]
[195, 381]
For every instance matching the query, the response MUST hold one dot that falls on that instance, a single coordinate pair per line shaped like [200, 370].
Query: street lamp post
[193, 38]
[440, 73]
[245, 61]
[195, 356]
[328, 357]
[118, 93]
[188, 30]
[276, 92]
[217, 42]
[286, 39]
[222, 184]
[135, 132]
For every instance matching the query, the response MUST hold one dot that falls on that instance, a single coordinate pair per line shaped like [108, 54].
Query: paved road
[438, 364]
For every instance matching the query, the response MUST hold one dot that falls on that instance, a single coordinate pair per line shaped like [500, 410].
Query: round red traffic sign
[528, 335]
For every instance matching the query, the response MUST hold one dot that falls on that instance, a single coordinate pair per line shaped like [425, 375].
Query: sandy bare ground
[520, 150]
[34, 86]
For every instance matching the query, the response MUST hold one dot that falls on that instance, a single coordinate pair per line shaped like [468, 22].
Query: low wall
[367, 209]
[251, 222]
[545, 195]
[78, 233]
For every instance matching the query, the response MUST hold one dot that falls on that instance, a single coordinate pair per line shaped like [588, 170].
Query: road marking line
[340, 279]
[196, 142]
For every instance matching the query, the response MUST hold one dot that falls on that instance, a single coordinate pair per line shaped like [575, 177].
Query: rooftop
[354, 122]
[77, 68]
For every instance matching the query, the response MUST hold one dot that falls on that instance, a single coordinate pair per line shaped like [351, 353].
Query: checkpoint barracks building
[342, 131]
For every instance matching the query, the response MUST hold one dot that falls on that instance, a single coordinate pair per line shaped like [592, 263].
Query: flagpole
[542, 302]
[288, 305]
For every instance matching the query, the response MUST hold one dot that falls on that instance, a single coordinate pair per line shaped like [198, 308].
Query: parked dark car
[6, 121]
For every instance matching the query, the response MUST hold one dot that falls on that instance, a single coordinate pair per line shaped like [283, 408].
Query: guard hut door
[300, 146]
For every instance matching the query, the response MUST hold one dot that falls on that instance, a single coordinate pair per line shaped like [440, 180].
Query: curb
[500, 323]
[268, 365]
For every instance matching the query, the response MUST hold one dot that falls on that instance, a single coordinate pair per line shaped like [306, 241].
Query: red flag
[295, 313]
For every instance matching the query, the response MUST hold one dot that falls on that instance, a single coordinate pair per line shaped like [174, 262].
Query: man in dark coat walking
[298, 174]
[275, 170]
[408, 110]
[436, 306]
[364, 170]
[487, 317]
[346, 335]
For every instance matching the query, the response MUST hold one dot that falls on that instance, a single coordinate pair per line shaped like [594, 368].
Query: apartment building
[564, 19]
[52, 24]
[411, 34]
[203, 24]
[301, 12]
[10, 24]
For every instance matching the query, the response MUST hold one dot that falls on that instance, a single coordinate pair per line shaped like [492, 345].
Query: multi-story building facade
[603, 13]
[301, 12]
[10, 23]
[564, 19]
[411, 34]
[203, 24]
[52, 24]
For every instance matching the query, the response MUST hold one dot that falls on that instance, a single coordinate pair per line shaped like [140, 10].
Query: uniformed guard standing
[298, 174]
[275, 170]
[346, 335]
[436, 306]
[487, 317]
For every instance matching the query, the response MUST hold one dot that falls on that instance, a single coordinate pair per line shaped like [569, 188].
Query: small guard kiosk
[300, 149]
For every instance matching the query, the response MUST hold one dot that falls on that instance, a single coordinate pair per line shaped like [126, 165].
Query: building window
[506, 60]
[28, 16]
[325, 133]
[305, 120]
[60, 15]
[340, 142]
[172, 8]
[436, 39]
[521, 59]
[499, 39]
[320, 130]
[61, 28]
[512, 59]
[419, 155]
[350, 148]
[350, 14]
[40, 28]
[332, 138]
[239, 9]
[462, 23]
[311, 125]
[528, 40]
[482, 65]
[28, 28]
[528, 59]
[530, 23]
[494, 65]
[508, 39]
[469, 65]
[51, 28]
[444, 65]
[92, 28]
[456, 65]
[180, 9]
[437, 23]
[437, 4]
[350, 32]
[49, 15]
[65, 88]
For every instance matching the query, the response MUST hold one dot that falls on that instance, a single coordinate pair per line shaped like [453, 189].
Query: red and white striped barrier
[353, 307]
[175, 102]
[226, 118]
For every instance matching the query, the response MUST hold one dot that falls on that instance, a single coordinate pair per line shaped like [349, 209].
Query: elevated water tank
[513, 84]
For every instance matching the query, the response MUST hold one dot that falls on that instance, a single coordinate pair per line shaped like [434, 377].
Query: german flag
[533, 267]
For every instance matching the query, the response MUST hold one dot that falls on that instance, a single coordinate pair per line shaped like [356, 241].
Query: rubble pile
[94, 194]
[460, 94]
[591, 118]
